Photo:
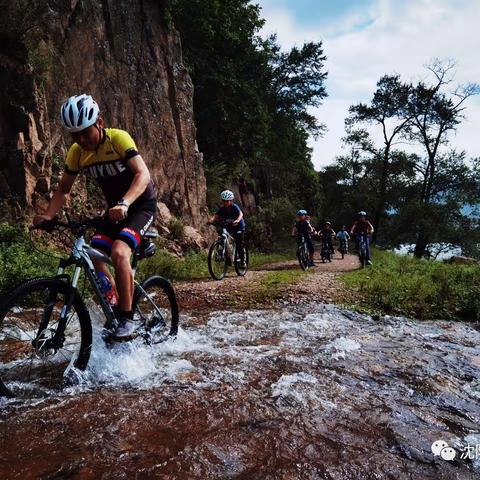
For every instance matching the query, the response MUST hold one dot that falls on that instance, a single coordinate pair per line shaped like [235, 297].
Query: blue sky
[319, 12]
[365, 39]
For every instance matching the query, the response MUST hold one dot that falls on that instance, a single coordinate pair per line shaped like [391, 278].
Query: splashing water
[309, 392]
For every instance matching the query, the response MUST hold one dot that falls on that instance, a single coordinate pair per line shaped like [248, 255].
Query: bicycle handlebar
[75, 226]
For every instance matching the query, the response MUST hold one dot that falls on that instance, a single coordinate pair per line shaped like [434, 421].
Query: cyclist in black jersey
[110, 156]
[303, 228]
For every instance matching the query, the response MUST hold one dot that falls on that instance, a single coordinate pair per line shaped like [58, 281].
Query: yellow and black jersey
[108, 164]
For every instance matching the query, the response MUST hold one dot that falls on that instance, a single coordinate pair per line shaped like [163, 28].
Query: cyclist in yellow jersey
[110, 156]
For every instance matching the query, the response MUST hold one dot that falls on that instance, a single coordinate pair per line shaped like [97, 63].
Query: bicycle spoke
[29, 348]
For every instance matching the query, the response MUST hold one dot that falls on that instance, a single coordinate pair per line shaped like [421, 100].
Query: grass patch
[258, 259]
[272, 285]
[401, 285]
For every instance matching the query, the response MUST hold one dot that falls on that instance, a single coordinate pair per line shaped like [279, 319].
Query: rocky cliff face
[121, 52]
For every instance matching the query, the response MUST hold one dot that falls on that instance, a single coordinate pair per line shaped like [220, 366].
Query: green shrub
[19, 260]
[402, 285]
[175, 225]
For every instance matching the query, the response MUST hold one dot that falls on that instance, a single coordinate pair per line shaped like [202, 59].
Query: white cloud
[389, 36]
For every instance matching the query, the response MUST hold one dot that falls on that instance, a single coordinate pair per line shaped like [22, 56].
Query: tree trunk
[420, 246]
[382, 197]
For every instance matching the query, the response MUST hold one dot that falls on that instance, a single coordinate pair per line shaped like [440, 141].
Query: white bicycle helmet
[302, 212]
[362, 214]
[79, 112]
[227, 195]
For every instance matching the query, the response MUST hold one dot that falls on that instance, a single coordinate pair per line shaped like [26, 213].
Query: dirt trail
[320, 283]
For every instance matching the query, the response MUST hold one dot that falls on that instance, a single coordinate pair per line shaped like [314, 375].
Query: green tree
[435, 114]
[252, 100]
[388, 111]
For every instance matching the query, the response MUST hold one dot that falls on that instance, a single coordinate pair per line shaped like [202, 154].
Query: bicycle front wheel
[217, 261]
[36, 350]
[155, 306]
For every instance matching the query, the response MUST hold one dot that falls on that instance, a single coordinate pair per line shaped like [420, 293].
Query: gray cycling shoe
[126, 329]
[369, 262]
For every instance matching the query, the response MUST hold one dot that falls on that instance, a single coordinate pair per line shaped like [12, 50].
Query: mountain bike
[45, 326]
[303, 254]
[362, 248]
[223, 252]
[343, 249]
[326, 250]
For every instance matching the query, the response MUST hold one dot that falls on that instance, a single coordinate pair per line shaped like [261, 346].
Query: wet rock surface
[302, 392]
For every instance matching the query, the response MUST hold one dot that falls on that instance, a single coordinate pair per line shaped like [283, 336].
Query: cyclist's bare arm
[238, 219]
[139, 183]
[140, 180]
[59, 198]
[294, 231]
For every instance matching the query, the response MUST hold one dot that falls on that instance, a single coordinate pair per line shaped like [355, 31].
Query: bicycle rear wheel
[303, 257]
[155, 306]
[217, 261]
[362, 255]
[33, 359]
[241, 271]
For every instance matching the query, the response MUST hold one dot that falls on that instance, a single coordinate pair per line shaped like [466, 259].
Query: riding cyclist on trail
[343, 236]
[231, 213]
[110, 156]
[327, 234]
[303, 228]
[362, 227]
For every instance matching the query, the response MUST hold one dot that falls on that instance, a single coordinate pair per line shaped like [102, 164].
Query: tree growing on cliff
[251, 99]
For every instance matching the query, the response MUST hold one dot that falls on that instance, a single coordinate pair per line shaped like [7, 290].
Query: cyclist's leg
[357, 242]
[103, 240]
[239, 236]
[330, 244]
[310, 247]
[128, 239]
[367, 248]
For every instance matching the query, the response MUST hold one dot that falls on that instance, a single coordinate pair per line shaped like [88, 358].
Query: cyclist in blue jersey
[302, 228]
[233, 215]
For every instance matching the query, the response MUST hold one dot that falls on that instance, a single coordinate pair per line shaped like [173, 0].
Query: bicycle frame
[228, 241]
[81, 256]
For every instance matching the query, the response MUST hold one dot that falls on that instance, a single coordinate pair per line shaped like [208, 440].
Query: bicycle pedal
[131, 337]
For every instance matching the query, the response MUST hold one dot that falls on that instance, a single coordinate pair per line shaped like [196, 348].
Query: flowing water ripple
[303, 393]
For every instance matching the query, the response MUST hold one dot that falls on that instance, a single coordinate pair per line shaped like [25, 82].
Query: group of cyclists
[110, 156]
[303, 230]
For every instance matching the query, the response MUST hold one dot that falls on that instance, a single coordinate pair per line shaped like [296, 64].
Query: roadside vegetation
[193, 265]
[21, 258]
[18, 260]
[401, 285]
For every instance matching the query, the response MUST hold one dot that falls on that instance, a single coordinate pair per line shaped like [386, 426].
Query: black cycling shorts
[130, 230]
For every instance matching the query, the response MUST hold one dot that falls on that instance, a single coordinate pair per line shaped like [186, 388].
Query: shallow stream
[311, 392]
